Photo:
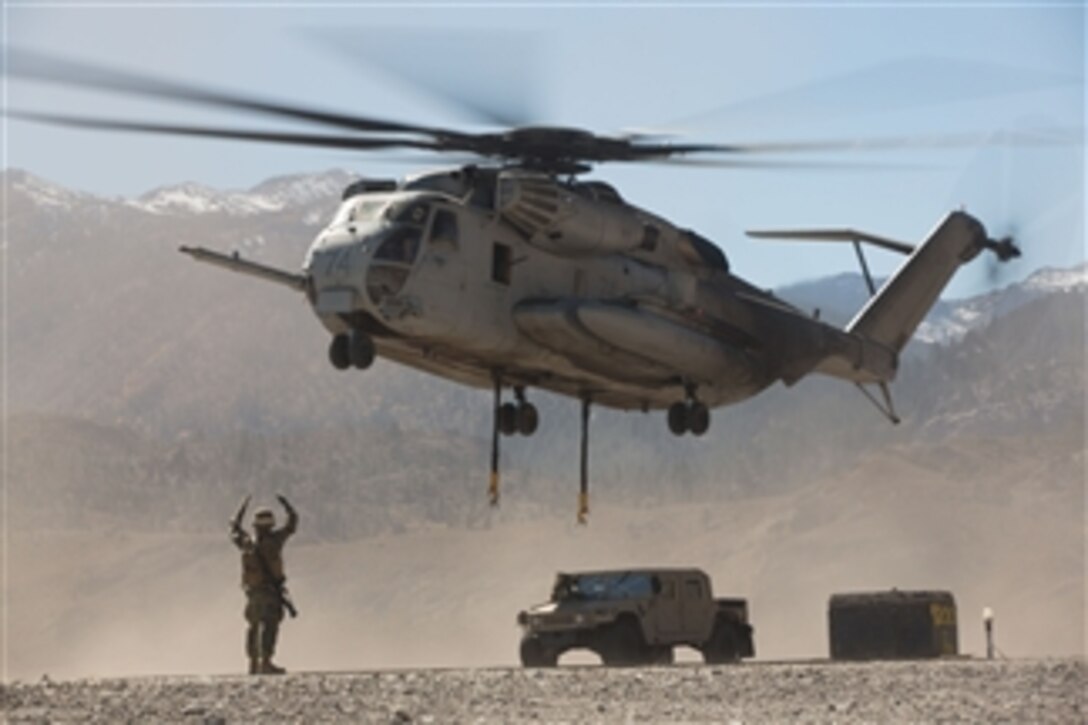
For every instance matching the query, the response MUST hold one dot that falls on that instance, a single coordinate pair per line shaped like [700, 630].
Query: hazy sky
[726, 73]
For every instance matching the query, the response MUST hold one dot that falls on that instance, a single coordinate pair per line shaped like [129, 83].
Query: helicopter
[512, 272]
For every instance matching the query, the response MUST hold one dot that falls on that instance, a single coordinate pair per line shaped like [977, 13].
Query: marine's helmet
[264, 519]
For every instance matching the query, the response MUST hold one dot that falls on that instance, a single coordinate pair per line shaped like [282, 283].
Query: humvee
[635, 617]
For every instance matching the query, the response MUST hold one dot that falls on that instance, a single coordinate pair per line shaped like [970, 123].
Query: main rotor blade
[37, 66]
[1022, 137]
[490, 75]
[892, 85]
[357, 143]
[746, 163]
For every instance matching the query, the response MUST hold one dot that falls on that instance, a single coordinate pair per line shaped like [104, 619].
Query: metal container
[892, 625]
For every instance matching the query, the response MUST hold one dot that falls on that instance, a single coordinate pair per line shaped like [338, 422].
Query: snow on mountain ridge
[953, 319]
[304, 188]
[272, 195]
[1051, 279]
[42, 192]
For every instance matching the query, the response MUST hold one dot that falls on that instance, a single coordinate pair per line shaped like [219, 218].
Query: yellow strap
[493, 488]
[583, 507]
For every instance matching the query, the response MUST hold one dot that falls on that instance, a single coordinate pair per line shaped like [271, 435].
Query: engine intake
[565, 220]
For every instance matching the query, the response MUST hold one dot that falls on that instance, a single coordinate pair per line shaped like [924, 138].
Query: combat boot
[267, 668]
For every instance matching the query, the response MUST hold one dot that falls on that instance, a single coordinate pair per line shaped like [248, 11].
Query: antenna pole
[864, 268]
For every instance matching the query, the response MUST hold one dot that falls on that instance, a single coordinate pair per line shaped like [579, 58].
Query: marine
[263, 581]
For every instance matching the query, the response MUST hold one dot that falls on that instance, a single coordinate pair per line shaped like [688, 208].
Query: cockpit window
[401, 246]
[412, 213]
[366, 210]
[444, 228]
[359, 210]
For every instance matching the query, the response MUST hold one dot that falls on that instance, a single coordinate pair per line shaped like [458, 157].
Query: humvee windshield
[602, 587]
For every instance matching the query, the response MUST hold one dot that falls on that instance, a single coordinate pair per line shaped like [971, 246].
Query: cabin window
[650, 234]
[444, 228]
[708, 251]
[500, 263]
[693, 589]
[414, 213]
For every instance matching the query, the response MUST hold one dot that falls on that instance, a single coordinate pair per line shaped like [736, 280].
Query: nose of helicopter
[351, 272]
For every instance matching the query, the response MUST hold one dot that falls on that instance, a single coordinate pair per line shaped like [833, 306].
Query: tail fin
[894, 313]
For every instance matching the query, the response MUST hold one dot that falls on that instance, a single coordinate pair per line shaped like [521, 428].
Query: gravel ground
[1041, 691]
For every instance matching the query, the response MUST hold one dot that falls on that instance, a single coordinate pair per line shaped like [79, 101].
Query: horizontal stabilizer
[235, 263]
[832, 235]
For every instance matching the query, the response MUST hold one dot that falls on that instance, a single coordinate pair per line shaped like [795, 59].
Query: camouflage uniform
[264, 608]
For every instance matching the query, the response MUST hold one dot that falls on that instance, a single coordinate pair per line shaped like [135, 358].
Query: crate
[892, 625]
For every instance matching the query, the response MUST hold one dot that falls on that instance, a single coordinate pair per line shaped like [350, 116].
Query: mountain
[274, 195]
[840, 297]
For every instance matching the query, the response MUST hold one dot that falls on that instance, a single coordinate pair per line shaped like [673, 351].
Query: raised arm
[238, 535]
[292, 517]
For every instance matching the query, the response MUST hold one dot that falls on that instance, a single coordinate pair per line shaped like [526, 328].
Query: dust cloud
[116, 603]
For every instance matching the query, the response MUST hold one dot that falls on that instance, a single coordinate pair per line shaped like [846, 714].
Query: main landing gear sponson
[353, 350]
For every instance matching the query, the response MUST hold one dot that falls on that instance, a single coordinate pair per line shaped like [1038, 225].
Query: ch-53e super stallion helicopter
[515, 274]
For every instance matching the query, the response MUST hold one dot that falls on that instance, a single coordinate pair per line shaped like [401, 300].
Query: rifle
[277, 583]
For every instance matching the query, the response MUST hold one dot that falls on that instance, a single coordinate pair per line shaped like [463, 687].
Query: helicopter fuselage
[600, 299]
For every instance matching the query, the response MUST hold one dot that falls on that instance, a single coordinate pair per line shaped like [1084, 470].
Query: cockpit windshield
[357, 210]
[401, 245]
[602, 587]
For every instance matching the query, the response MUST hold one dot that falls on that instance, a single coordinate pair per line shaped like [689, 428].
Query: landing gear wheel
[678, 418]
[338, 352]
[508, 419]
[528, 419]
[698, 419]
[361, 350]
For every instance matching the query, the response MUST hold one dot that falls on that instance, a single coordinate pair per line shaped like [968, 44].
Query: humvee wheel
[623, 645]
[722, 647]
[661, 655]
[535, 653]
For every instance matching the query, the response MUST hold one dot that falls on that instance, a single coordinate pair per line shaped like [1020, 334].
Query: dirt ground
[1036, 691]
